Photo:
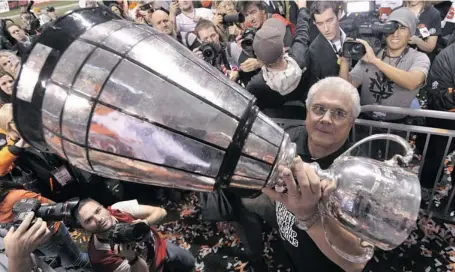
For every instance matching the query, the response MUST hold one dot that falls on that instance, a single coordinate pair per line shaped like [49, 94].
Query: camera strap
[385, 79]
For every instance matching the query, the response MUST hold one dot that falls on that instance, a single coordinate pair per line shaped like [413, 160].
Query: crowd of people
[289, 55]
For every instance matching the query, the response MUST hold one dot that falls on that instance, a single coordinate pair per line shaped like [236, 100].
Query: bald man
[160, 21]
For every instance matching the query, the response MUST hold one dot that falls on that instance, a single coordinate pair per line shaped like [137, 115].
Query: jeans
[178, 259]
[61, 244]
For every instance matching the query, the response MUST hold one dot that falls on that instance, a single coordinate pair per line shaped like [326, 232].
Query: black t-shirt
[302, 251]
[430, 18]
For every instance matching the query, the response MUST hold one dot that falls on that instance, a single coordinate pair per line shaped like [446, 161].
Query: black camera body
[63, 211]
[208, 51]
[123, 233]
[368, 27]
[137, 234]
[247, 40]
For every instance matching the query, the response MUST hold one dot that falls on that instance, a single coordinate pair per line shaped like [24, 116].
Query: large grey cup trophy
[123, 101]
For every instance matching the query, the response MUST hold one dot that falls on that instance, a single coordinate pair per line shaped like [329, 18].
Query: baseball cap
[268, 44]
[281, 27]
[405, 17]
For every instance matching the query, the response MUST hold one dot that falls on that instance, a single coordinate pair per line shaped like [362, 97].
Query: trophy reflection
[123, 101]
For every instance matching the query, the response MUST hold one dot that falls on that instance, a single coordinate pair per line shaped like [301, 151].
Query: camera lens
[357, 48]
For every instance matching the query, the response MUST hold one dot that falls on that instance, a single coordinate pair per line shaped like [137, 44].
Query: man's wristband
[133, 261]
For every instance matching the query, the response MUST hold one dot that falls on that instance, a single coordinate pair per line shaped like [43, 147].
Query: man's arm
[355, 77]
[349, 242]
[427, 45]
[151, 214]
[300, 44]
[409, 80]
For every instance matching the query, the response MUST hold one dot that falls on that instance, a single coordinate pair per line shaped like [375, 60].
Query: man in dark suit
[326, 48]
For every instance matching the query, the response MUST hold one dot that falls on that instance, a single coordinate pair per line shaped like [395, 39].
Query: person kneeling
[104, 256]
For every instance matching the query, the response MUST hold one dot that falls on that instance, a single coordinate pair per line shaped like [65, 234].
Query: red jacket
[106, 260]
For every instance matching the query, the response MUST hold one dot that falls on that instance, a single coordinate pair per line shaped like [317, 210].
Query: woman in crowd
[428, 28]
[6, 87]
[61, 244]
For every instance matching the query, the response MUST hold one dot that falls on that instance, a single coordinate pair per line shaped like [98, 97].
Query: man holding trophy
[100, 97]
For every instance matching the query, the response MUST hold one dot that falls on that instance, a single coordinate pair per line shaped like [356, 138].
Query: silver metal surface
[376, 201]
[76, 156]
[76, 115]
[134, 138]
[146, 110]
[140, 172]
[70, 62]
[30, 71]
[53, 102]
[95, 71]
[144, 94]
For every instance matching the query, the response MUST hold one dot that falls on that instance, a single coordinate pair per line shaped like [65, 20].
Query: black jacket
[322, 61]
[268, 98]
[440, 78]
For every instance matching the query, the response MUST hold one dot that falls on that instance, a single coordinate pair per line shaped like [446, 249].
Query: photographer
[325, 50]
[213, 51]
[429, 26]
[227, 32]
[256, 13]
[281, 78]
[395, 75]
[21, 243]
[98, 220]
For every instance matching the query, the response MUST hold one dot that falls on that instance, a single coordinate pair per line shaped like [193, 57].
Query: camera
[231, 19]
[365, 25]
[123, 233]
[208, 51]
[247, 40]
[50, 213]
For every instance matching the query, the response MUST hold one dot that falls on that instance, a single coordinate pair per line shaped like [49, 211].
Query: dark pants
[379, 147]
[435, 153]
[178, 259]
[250, 213]
[61, 244]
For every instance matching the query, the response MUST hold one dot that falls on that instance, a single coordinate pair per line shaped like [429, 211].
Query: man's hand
[370, 56]
[414, 40]
[300, 3]
[198, 53]
[22, 242]
[233, 30]
[302, 197]
[173, 8]
[234, 75]
[250, 65]
[126, 251]
[217, 19]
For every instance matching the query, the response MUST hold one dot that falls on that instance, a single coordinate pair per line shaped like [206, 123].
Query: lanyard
[338, 51]
[385, 79]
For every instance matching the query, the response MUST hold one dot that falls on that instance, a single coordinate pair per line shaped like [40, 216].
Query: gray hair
[339, 85]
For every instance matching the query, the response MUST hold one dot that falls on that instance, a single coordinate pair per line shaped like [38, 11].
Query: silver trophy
[123, 101]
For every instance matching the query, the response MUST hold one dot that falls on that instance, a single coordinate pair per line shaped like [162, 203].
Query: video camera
[50, 213]
[247, 40]
[364, 23]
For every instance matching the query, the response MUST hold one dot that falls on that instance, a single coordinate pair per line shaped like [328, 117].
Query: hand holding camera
[370, 56]
[217, 19]
[250, 65]
[127, 251]
[22, 242]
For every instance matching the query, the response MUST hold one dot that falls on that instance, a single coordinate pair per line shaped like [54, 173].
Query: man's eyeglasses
[336, 114]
